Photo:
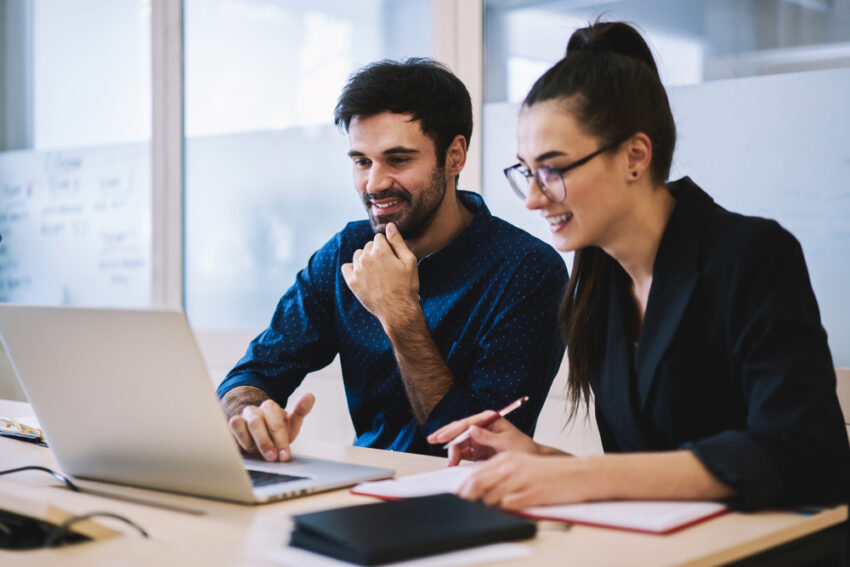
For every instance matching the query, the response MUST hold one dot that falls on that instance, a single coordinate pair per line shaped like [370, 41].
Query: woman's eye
[546, 174]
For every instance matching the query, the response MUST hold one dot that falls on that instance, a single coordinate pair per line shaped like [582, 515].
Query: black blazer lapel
[616, 385]
[674, 277]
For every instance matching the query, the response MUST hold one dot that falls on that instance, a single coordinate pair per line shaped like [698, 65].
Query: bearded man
[437, 309]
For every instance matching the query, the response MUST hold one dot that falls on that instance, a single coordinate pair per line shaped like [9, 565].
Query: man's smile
[381, 207]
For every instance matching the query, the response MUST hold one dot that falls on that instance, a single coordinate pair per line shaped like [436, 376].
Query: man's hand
[267, 428]
[384, 276]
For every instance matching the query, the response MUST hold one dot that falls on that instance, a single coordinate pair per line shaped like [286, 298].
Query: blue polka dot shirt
[490, 298]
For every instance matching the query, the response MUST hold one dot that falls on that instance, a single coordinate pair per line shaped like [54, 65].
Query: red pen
[500, 414]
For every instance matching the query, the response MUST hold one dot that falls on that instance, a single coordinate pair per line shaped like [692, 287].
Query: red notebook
[653, 517]
[645, 516]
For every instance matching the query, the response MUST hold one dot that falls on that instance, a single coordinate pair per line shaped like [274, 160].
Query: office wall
[773, 146]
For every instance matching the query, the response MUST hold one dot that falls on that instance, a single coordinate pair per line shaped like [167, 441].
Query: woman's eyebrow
[549, 155]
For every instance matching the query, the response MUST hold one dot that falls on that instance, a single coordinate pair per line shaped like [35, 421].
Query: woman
[696, 328]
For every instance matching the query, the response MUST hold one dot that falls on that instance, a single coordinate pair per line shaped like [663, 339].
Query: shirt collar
[474, 230]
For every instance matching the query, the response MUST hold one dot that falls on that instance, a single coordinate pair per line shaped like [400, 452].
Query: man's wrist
[402, 320]
[239, 397]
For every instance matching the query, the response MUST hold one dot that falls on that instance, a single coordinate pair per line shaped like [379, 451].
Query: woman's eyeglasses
[549, 179]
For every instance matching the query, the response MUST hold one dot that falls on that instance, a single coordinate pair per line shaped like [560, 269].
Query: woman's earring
[634, 174]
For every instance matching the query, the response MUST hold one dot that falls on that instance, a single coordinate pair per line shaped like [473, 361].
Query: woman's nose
[534, 197]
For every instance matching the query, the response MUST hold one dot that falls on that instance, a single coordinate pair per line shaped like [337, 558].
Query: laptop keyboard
[262, 478]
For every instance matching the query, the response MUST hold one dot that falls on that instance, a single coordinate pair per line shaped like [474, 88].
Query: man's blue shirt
[490, 298]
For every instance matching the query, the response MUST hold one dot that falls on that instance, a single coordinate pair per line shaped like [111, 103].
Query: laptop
[123, 396]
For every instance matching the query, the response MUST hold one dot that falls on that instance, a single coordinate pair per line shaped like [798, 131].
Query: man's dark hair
[423, 88]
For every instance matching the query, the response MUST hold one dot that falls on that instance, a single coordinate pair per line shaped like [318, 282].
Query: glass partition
[267, 176]
[695, 41]
[75, 129]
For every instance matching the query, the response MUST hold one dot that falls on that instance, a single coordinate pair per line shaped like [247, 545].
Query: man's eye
[399, 160]
[361, 162]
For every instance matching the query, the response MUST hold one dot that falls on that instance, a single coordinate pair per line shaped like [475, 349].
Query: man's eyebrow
[387, 152]
[400, 150]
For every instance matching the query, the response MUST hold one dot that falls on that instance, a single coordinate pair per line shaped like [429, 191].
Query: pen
[498, 415]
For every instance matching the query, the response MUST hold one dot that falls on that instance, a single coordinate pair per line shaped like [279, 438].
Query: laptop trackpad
[264, 473]
[263, 478]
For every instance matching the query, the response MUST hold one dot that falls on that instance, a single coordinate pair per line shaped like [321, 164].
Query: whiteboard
[774, 146]
[76, 226]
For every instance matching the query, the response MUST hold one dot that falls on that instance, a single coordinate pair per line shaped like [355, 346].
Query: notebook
[123, 396]
[373, 534]
[23, 428]
[653, 517]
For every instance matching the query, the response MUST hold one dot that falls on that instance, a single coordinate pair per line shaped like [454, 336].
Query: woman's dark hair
[417, 86]
[609, 81]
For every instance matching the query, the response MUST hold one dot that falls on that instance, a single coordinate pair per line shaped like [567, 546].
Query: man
[437, 309]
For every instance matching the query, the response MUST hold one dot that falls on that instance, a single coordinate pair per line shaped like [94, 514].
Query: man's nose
[379, 179]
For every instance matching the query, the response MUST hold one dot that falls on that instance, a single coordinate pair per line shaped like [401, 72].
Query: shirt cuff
[739, 461]
[241, 380]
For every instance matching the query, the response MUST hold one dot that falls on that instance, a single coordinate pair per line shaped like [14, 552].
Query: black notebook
[372, 534]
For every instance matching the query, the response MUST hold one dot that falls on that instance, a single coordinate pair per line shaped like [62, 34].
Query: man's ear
[639, 156]
[456, 156]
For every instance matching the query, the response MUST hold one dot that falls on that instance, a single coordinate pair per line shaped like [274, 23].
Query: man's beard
[417, 216]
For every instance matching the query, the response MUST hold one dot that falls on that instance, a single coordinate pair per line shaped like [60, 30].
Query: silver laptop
[123, 396]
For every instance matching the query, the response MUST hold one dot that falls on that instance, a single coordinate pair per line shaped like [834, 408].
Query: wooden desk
[196, 531]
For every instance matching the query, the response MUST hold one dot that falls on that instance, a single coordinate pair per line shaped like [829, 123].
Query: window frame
[457, 41]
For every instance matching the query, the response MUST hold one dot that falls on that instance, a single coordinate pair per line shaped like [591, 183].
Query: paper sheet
[30, 423]
[471, 556]
[448, 479]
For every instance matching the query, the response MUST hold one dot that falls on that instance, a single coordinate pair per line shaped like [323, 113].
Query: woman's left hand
[517, 480]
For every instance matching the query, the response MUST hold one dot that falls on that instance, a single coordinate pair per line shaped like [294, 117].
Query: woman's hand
[482, 444]
[519, 480]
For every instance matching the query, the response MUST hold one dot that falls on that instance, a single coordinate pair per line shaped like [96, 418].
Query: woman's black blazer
[732, 361]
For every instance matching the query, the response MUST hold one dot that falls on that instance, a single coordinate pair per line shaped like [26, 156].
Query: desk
[217, 533]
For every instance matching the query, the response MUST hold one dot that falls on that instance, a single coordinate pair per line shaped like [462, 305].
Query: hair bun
[615, 37]
[600, 43]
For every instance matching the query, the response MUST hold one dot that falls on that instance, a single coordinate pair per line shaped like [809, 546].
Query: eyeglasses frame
[560, 171]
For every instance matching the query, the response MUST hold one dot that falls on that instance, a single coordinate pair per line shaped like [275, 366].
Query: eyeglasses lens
[552, 184]
[519, 182]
